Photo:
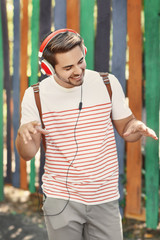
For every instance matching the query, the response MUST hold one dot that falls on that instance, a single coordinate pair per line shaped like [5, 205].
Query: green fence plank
[87, 29]
[34, 69]
[1, 112]
[152, 74]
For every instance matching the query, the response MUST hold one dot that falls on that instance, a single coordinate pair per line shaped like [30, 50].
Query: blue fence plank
[45, 18]
[60, 14]
[102, 41]
[16, 88]
[119, 18]
[45, 27]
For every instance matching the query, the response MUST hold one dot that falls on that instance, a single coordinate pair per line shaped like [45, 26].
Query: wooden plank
[6, 41]
[87, 29]
[45, 27]
[73, 15]
[23, 77]
[134, 158]
[119, 18]
[45, 18]
[60, 14]
[139, 217]
[34, 69]
[41, 169]
[7, 85]
[152, 76]
[102, 40]
[16, 88]
[1, 111]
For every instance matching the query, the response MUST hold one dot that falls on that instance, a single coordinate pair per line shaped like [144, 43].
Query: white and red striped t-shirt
[81, 158]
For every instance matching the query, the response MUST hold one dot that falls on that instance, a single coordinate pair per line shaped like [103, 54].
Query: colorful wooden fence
[121, 39]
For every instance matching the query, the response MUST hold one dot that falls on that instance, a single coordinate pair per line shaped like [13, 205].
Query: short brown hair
[61, 43]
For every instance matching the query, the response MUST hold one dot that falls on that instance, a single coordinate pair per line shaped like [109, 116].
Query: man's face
[70, 68]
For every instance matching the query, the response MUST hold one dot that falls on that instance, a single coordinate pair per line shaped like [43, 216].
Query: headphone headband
[50, 37]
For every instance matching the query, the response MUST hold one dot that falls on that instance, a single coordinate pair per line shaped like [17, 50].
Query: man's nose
[77, 70]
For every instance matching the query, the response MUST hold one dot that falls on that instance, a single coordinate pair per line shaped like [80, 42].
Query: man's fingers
[126, 134]
[141, 129]
[41, 130]
[29, 129]
[150, 133]
[45, 132]
[26, 137]
[36, 123]
[26, 130]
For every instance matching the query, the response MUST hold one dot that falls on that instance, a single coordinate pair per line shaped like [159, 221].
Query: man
[80, 181]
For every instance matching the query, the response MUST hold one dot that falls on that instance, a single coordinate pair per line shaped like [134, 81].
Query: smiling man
[80, 180]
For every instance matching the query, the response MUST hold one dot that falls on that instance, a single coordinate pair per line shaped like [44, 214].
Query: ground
[22, 219]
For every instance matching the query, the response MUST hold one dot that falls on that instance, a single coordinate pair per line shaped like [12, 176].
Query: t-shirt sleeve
[29, 111]
[120, 107]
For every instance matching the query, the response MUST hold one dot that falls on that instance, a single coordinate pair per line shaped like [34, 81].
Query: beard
[74, 81]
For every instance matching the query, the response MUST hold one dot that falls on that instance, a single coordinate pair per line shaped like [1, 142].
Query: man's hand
[136, 126]
[132, 129]
[26, 131]
[28, 139]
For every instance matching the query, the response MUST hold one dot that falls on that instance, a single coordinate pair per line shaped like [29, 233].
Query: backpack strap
[38, 103]
[105, 77]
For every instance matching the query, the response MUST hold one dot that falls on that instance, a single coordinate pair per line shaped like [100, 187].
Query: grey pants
[82, 222]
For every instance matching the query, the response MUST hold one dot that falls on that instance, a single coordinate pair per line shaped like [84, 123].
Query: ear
[47, 68]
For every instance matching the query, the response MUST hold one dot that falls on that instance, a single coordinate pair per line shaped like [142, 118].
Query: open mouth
[77, 78]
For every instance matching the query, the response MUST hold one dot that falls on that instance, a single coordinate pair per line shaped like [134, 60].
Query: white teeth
[78, 77]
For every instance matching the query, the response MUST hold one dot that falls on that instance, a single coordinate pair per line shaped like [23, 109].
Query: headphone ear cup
[85, 50]
[47, 68]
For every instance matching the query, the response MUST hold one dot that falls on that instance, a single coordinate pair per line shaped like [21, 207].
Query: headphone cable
[80, 108]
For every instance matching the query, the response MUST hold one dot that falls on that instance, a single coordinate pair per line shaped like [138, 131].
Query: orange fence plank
[73, 15]
[23, 78]
[133, 199]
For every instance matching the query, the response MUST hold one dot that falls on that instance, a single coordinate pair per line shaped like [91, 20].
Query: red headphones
[46, 67]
